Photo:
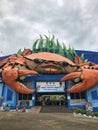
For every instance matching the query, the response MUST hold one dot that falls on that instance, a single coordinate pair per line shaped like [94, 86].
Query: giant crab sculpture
[14, 68]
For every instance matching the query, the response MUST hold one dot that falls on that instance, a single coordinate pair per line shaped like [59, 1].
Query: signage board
[50, 86]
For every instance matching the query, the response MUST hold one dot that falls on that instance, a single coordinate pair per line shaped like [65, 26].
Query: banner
[50, 86]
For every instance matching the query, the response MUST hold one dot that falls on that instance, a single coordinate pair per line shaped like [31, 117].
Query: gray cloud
[74, 22]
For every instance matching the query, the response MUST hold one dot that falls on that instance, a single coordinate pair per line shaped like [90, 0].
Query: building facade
[48, 86]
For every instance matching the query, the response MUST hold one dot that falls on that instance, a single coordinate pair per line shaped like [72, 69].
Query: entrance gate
[51, 99]
[50, 93]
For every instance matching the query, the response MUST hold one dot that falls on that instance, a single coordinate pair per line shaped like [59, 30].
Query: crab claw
[11, 75]
[88, 79]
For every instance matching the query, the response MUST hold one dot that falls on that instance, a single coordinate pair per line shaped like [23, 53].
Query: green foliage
[24, 103]
[78, 110]
[40, 44]
[34, 48]
[83, 59]
[71, 53]
[53, 97]
[19, 52]
[82, 111]
[48, 44]
[96, 114]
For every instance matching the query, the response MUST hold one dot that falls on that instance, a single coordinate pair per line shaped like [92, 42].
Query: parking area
[45, 121]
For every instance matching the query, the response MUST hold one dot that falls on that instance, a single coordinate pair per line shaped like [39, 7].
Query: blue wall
[44, 77]
[92, 96]
[90, 55]
[41, 78]
[11, 97]
[4, 57]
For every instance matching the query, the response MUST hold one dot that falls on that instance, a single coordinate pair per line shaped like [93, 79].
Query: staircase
[55, 109]
[35, 109]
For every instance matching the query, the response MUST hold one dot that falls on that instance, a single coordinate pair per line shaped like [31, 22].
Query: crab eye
[38, 61]
[64, 63]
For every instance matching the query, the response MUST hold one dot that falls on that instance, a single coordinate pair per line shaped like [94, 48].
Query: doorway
[51, 99]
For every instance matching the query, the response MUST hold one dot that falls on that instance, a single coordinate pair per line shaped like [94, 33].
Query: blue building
[48, 85]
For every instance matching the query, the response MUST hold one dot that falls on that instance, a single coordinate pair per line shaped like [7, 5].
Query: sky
[74, 22]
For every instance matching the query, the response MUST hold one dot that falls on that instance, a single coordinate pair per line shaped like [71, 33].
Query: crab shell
[17, 66]
[50, 63]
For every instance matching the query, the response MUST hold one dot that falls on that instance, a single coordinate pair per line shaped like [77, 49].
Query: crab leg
[71, 76]
[77, 88]
[88, 77]
[27, 72]
[20, 87]
[10, 76]
[3, 62]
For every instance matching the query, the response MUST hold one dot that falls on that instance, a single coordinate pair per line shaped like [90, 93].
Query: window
[94, 95]
[25, 96]
[9, 95]
[78, 95]
[1, 89]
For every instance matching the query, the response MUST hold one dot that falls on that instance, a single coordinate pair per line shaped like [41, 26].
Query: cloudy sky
[74, 22]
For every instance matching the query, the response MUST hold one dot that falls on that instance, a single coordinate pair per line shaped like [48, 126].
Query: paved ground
[45, 121]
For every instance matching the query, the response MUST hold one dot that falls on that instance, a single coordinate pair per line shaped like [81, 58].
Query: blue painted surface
[90, 55]
[13, 100]
[44, 77]
[41, 78]
[34, 95]
[95, 109]
[9, 95]
[68, 95]
[94, 95]
[1, 89]
[93, 98]
[77, 106]
[91, 94]
[4, 57]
